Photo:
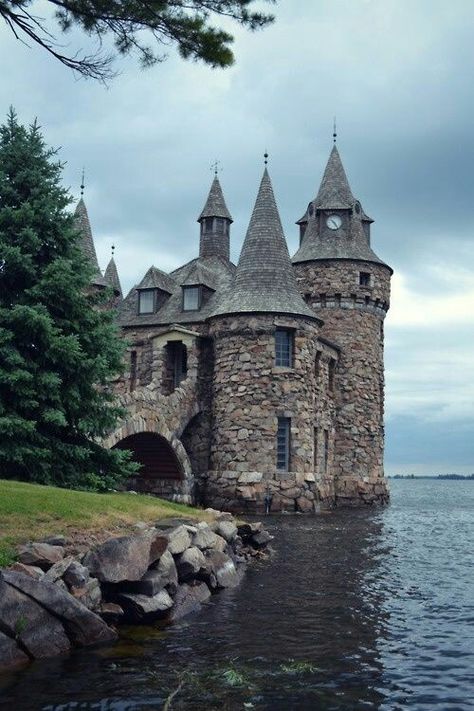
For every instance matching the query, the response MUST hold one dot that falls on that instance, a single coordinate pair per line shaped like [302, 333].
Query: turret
[111, 276]
[86, 241]
[265, 342]
[215, 220]
[348, 286]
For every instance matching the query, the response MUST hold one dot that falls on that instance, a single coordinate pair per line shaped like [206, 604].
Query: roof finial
[113, 250]
[334, 131]
[82, 184]
[265, 157]
[216, 166]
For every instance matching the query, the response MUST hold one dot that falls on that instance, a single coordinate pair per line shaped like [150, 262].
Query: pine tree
[58, 350]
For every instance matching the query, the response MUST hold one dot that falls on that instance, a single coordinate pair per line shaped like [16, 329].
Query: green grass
[31, 512]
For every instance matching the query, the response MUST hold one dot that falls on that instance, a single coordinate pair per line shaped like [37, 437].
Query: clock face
[334, 222]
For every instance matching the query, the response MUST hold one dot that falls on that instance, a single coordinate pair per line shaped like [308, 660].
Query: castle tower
[112, 278]
[265, 340]
[86, 242]
[215, 220]
[348, 286]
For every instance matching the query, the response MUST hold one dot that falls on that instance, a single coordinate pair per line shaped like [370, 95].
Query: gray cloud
[397, 74]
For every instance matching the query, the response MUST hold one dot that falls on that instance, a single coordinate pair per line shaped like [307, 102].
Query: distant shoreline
[449, 477]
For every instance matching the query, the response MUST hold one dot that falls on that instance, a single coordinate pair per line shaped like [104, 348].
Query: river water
[356, 610]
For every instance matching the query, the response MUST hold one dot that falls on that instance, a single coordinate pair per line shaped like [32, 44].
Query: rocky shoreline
[57, 598]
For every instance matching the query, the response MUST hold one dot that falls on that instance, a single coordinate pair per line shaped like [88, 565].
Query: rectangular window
[146, 301]
[326, 451]
[284, 348]
[364, 279]
[220, 225]
[208, 224]
[331, 371]
[191, 298]
[283, 443]
[315, 448]
[133, 370]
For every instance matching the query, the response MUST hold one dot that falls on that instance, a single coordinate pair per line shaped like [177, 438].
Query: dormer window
[220, 225]
[208, 224]
[146, 301]
[191, 298]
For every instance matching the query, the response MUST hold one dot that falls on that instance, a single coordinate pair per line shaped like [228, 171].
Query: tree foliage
[57, 349]
[185, 24]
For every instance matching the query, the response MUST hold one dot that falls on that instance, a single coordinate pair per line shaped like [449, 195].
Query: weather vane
[82, 184]
[265, 157]
[334, 131]
[216, 167]
[113, 250]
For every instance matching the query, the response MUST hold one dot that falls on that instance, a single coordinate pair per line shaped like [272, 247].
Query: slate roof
[86, 241]
[157, 279]
[215, 270]
[215, 204]
[112, 278]
[334, 191]
[335, 194]
[264, 280]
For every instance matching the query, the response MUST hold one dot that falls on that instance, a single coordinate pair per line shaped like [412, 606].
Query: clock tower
[348, 287]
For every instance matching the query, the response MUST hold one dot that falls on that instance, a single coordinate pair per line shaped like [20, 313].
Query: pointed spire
[334, 192]
[86, 241]
[215, 204]
[264, 280]
[111, 276]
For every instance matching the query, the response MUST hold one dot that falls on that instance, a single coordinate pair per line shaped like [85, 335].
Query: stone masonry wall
[249, 394]
[353, 318]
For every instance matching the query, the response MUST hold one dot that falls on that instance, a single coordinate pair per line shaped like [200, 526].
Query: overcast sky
[399, 76]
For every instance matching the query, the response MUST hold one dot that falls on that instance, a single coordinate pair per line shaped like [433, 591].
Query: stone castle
[262, 384]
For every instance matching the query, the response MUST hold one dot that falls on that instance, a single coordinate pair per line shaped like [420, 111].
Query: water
[356, 610]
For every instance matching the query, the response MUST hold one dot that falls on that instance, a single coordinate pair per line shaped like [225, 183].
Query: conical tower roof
[215, 204]
[349, 242]
[334, 191]
[112, 278]
[87, 242]
[264, 280]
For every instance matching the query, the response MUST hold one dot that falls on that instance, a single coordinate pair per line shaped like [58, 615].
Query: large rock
[89, 594]
[166, 567]
[83, 627]
[204, 537]
[31, 570]
[226, 529]
[41, 555]
[143, 607]
[57, 570]
[260, 539]
[220, 570]
[125, 558]
[190, 563]
[188, 599]
[76, 575]
[39, 633]
[10, 653]
[179, 539]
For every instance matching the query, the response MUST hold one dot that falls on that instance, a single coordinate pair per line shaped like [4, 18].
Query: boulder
[31, 570]
[58, 540]
[39, 633]
[179, 539]
[42, 555]
[57, 570]
[220, 544]
[111, 612]
[142, 607]
[10, 653]
[204, 536]
[245, 530]
[226, 529]
[151, 584]
[190, 563]
[125, 558]
[83, 626]
[166, 567]
[76, 575]
[89, 594]
[221, 571]
[260, 539]
[188, 599]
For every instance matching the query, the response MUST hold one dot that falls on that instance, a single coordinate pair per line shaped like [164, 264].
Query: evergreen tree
[57, 348]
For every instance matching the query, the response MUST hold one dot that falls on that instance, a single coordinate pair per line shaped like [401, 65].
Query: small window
[191, 298]
[208, 224]
[326, 451]
[133, 370]
[283, 444]
[220, 225]
[364, 279]
[146, 301]
[284, 348]
[331, 371]
[317, 365]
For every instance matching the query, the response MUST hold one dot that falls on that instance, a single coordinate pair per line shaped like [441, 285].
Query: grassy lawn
[30, 512]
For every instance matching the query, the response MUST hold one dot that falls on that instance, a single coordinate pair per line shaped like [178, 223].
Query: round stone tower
[265, 342]
[348, 287]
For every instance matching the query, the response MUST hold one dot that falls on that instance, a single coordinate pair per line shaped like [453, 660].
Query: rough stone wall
[353, 318]
[249, 394]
